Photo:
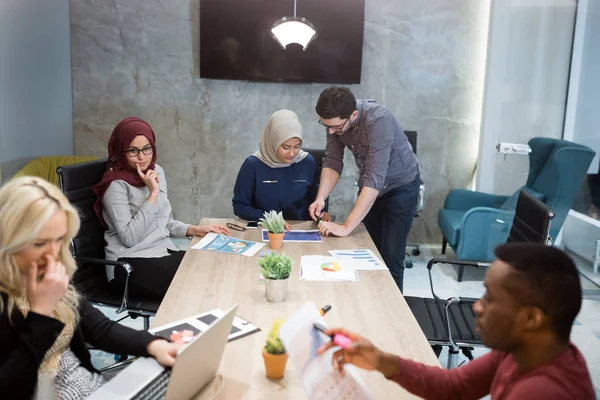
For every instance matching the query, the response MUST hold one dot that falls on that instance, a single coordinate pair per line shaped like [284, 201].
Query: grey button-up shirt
[383, 155]
[137, 228]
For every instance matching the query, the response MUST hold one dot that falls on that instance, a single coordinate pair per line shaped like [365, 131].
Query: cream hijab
[282, 125]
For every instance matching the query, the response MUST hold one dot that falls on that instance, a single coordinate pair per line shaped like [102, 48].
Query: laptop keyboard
[157, 389]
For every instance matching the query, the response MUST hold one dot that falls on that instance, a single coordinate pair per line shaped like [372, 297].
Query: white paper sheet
[316, 373]
[322, 268]
[362, 260]
[227, 244]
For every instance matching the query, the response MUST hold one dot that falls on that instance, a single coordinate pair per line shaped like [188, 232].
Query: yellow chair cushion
[45, 167]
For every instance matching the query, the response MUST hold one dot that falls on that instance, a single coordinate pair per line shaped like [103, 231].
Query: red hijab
[117, 167]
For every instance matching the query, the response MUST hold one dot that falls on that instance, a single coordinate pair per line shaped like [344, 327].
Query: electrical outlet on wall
[513, 148]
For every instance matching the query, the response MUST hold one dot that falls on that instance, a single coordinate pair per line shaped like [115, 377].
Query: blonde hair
[26, 205]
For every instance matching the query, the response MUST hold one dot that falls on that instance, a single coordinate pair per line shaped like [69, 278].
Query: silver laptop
[195, 366]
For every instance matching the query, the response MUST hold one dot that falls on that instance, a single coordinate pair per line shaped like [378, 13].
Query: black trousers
[389, 221]
[151, 277]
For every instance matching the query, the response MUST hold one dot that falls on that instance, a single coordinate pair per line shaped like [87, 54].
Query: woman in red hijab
[132, 203]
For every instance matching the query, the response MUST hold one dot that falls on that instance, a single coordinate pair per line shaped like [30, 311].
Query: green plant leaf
[273, 221]
[273, 345]
[275, 266]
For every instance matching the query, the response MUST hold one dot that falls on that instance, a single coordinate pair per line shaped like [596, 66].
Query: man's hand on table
[333, 229]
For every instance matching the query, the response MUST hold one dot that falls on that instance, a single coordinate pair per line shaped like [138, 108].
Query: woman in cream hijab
[280, 176]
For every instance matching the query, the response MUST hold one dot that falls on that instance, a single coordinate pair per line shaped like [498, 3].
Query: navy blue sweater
[259, 188]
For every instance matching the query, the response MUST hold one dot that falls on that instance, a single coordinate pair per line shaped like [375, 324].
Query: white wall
[527, 74]
[582, 123]
[36, 107]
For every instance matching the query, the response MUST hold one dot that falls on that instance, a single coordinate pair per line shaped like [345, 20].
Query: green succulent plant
[273, 344]
[273, 221]
[275, 266]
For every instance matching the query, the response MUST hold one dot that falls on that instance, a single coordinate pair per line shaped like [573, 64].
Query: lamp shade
[293, 30]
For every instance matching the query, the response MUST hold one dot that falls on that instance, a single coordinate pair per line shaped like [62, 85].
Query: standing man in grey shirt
[388, 173]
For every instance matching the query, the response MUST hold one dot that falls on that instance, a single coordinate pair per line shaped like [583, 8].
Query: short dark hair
[336, 101]
[548, 280]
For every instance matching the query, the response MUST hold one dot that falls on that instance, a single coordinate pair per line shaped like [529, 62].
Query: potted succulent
[276, 270]
[274, 354]
[274, 224]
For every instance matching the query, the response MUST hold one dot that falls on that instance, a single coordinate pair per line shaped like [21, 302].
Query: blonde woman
[44, 323]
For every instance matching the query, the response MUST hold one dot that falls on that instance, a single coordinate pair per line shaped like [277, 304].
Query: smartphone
[252, 224]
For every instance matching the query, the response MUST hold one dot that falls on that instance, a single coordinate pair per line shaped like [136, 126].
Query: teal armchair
[474, 223]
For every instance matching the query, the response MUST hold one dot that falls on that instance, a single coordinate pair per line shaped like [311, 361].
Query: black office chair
[451, 322]
[319, 154]
[76, 182]
[408, 262]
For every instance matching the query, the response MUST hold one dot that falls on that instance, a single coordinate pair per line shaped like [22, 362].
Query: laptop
[195, 366]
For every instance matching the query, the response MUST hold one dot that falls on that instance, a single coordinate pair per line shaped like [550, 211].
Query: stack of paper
[320, 268]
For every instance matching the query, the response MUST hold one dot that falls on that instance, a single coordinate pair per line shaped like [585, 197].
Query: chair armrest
[447, 305]
[469, 263]
[451, 300]
[128, 270]
[481, 230]
[434, 261]
[99, 261]
[462, 199]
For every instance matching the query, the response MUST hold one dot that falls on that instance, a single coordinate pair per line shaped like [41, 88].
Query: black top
[24, 343]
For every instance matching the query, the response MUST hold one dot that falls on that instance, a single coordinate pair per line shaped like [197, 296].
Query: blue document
[227, 244]
[297, 236]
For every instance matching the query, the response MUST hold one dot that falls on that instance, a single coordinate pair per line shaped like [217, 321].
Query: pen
[325, 310]
[341, 340]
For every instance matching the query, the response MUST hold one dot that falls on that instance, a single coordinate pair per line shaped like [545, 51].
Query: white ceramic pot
[276, 290]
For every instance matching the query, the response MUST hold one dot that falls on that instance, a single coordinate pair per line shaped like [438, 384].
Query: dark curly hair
[336, 101]
[544, 277]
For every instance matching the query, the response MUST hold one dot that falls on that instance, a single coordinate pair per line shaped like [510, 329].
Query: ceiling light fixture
[293, 30]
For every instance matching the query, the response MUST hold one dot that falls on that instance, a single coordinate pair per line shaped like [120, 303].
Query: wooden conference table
[373, 307]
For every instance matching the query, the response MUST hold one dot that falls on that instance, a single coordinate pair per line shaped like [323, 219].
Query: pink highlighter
[341, 340]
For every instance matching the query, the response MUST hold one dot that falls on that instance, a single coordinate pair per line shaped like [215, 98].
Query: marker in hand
[341, 340]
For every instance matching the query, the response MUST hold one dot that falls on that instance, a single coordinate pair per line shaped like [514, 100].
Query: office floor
[585, 333]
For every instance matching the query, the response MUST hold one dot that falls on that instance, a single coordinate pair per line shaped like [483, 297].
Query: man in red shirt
[533, 295]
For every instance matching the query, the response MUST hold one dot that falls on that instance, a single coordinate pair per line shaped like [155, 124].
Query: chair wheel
[416, 252]
[408, 264]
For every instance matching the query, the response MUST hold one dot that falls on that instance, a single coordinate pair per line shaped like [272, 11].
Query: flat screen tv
[236, 41]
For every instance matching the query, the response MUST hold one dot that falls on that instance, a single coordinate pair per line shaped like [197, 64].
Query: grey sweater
[137, 228]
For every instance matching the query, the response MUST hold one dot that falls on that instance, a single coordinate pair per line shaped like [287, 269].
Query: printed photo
[182, 333]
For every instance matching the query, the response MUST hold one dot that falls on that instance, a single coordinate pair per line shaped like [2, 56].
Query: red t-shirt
[496, 373]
